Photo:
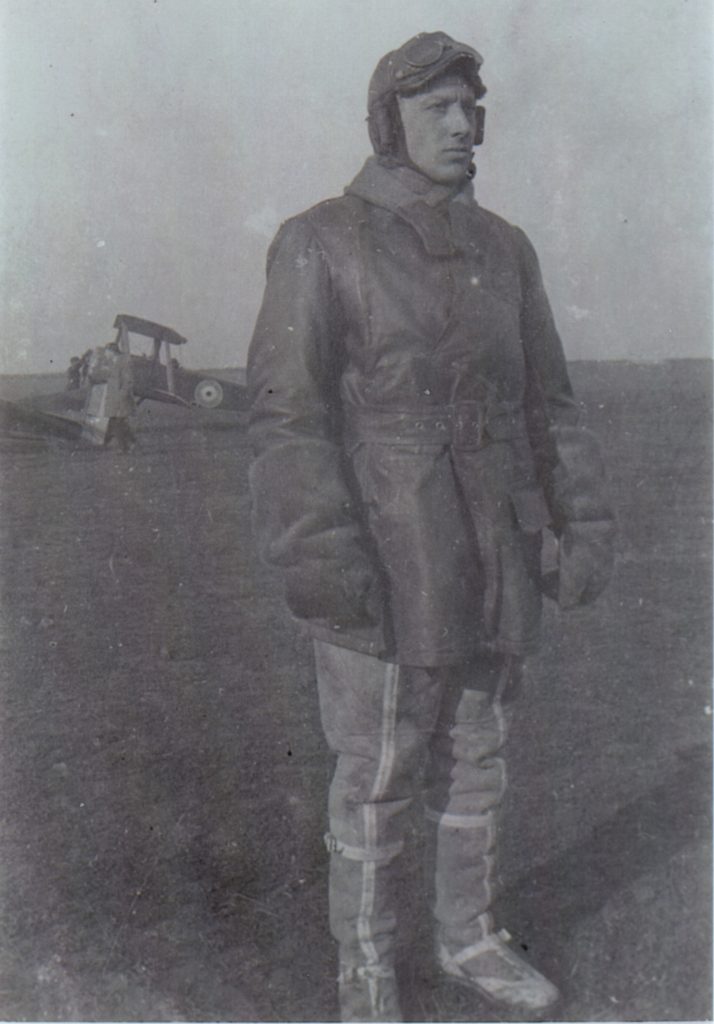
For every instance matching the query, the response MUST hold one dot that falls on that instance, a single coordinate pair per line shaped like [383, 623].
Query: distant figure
[84, 365]
[74, 373]
[119, 402]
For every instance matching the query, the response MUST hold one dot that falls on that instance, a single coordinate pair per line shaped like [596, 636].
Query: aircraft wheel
[208, 394]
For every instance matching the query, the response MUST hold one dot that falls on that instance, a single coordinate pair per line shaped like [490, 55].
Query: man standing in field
[415, 431]
[110, 402]
[119, 398]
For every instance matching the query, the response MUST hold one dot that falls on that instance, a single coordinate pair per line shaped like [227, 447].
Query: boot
[501, 976]
[377, 718]
[368, 993]
[363, 921]
[468, 780]
[468, 948]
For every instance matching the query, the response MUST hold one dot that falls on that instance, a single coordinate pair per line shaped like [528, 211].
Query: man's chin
[452, 177]
[451, 172]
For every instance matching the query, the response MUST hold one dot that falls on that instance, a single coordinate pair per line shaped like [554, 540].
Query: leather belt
[464, 425]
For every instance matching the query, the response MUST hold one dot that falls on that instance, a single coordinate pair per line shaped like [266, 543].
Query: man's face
[439, 128]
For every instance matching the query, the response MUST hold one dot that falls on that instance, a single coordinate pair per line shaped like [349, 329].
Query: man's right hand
[349, 597]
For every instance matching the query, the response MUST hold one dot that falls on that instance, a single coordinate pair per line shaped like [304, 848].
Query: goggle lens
[424, 52]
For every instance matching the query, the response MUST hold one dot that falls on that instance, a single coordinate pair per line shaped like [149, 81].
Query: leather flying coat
[410, 400]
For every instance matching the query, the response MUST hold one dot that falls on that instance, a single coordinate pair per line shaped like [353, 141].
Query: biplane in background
[157, 376]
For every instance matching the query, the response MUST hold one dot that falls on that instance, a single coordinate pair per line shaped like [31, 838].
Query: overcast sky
[152, 147]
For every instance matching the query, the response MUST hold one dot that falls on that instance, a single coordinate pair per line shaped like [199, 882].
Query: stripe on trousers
[387, 754]
[501, 723]
[489, 859]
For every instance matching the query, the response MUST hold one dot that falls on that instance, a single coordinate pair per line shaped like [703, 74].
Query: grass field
[163, 773]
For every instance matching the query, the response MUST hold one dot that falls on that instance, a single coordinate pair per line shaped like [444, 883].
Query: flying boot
[377, 718]
[467, 784]
[363, 920]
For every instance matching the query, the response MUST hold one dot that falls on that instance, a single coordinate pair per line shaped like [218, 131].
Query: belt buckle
[470, 426]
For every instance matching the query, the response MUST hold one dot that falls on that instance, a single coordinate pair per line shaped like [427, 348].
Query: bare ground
[164, 774]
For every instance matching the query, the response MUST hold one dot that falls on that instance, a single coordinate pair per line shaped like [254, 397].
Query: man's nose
[458, 121]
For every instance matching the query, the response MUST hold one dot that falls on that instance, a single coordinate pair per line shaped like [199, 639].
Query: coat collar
[424, 204]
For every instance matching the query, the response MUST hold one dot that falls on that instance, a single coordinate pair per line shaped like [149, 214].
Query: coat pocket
[530, 509]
